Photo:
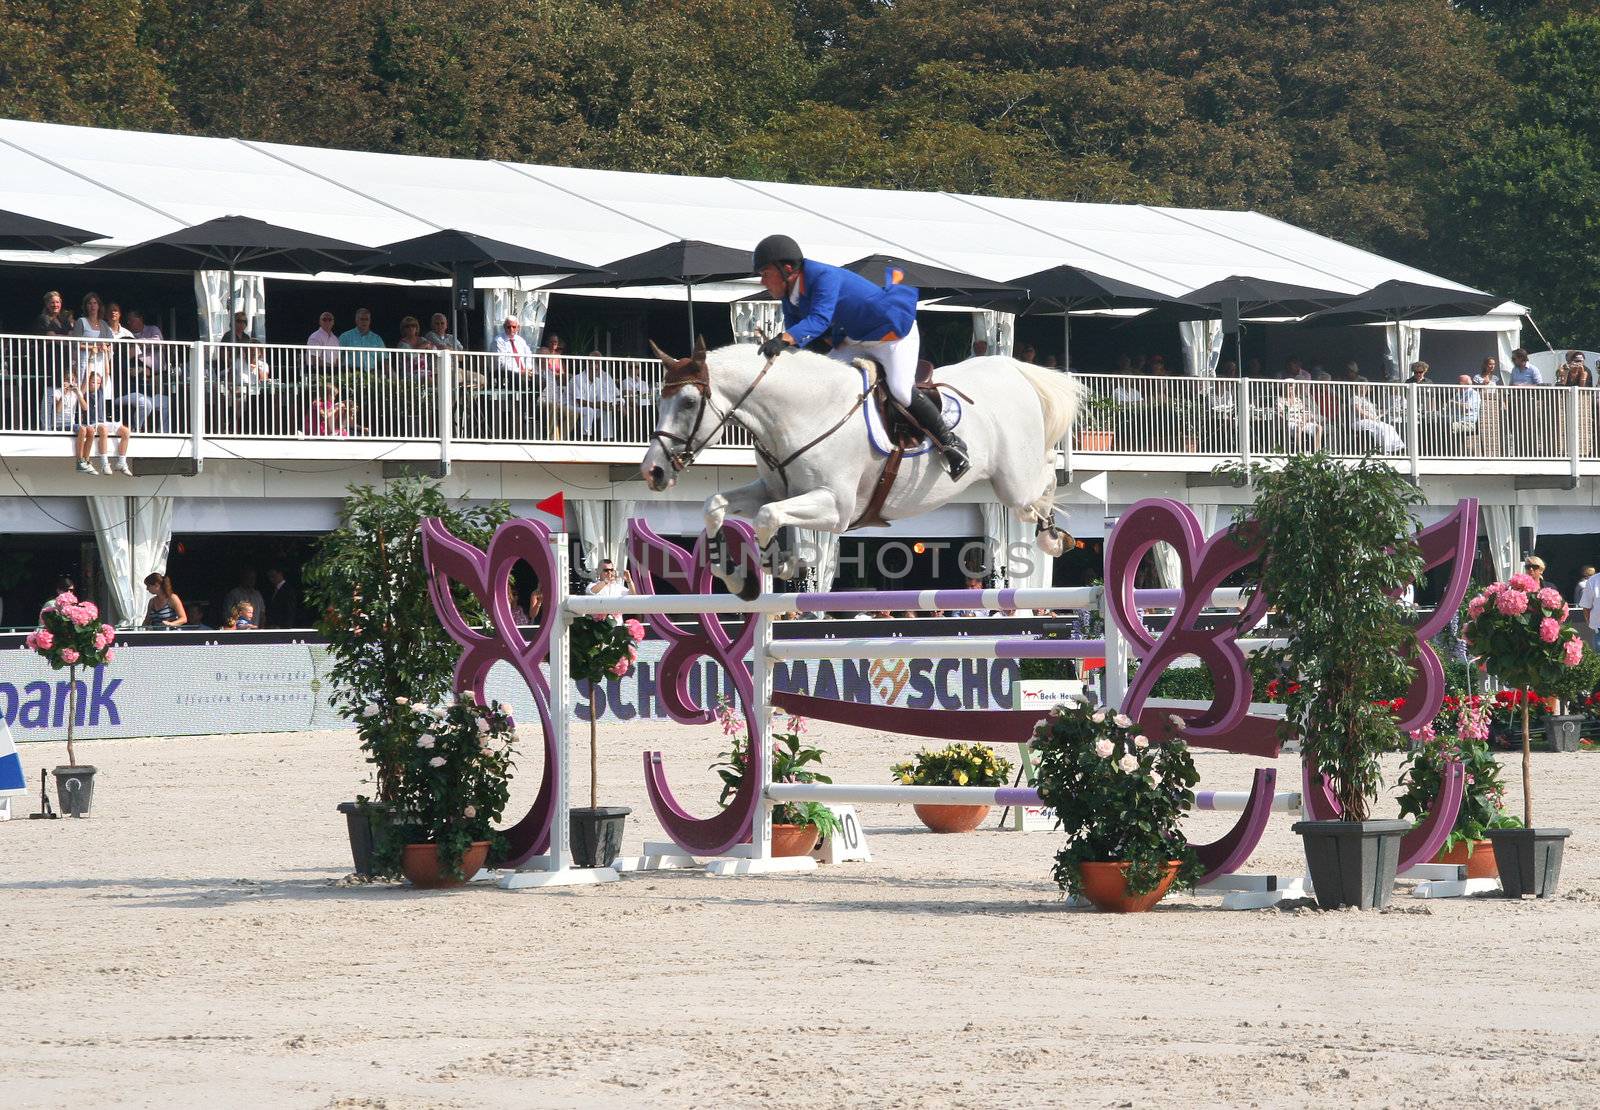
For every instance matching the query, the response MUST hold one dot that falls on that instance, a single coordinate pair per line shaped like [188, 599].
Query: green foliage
[1337, 543]
[370, 586]
[790, 758]
[954, 765]
[1422, 776]
[450, 773]
[597, 648]
[1119, 797]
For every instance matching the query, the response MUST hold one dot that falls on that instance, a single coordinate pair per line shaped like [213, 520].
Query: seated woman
[1368, 423]
[329, 415]
[1304, 425]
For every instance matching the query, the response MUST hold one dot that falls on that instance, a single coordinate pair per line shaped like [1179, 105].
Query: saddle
[892, 431]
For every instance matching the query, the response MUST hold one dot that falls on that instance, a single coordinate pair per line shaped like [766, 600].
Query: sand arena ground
[196, 943]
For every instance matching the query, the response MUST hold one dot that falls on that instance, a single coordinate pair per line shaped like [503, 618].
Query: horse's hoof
[746, 586]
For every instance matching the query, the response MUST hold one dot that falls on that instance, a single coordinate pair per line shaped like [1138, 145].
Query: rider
[862, 319]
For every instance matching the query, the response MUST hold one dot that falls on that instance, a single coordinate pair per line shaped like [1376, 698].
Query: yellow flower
[961, 778]
[905, 778]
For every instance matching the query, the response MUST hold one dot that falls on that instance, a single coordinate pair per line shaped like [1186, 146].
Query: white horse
[815, 467]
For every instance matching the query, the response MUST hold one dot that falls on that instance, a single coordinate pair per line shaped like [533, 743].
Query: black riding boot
[926, 412]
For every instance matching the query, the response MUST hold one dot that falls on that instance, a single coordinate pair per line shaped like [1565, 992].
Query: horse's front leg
[744, 501]
[818, 509]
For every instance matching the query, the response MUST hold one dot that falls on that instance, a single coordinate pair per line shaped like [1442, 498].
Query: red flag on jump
[555, 505]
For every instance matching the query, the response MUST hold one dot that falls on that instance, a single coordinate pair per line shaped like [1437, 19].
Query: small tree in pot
[70, 635]
[369, 584]
[1337, 547]
[1516, 629]
[597, 648]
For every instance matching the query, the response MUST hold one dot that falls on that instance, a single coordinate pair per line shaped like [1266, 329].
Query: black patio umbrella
[687, 262]
[1396, 300]
[1067, 289]
[19, 232]
[232, 243]
[1256, 297]
[930, 281]
[462, 256]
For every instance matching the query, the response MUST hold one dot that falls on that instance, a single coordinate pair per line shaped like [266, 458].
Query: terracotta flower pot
[951, 819]
[1091, 440]
[793, 840]
[420, 865]
[1106, 886]
[1480, 864]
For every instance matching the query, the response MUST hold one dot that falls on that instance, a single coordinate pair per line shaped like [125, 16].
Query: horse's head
[684, 424]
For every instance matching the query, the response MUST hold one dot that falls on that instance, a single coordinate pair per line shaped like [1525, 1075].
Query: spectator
[638, 402]
[1489, 373]
[1584, 574]
[1588, 603]
[519, 615]
[980, 347]
[93, 357]
[1352, 372]
[516, 357]
[1575, 371]
[329, 415]
[1051, 362]
[556, 347]
[1367, 420]
[594, 400]
[975, 611]
[1419, 373]
[1522, 371]
[145, 401]
[241, 368]
[361, 337]
[240, 617]
[95, 432]
[166, 607]
[283, 605]
[1026, 353]
[1463, 407]
[411, 340]
[245, 591]
[609, 585]
[1535, 567]
[439, 337]
[1303, 423]
[1252, 368]
[53, 320]
[322, 346]
[64, 407]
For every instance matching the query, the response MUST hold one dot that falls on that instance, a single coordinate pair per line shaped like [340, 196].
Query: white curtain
[819, 554]
[1169, 569]
[1502, 539]
[527, 305]
[996, 328]
[1207, 516]
[1411, 340]
[1202, 347]
[216, 307]
[132, 534]
[602, 533]
[1505, 342]
[1015, 560]
[755, 320]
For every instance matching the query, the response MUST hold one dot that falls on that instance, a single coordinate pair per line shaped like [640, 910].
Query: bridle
[682, 374]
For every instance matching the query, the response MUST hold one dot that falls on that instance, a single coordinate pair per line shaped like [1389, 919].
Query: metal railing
[269, 391]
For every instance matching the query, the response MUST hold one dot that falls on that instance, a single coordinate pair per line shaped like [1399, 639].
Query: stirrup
[955, 457]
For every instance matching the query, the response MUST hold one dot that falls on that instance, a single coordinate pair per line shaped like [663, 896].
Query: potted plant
[954, 765]
[369, 584]
[450, 788]
[1563, 730]
[1095, 417]
[1120, 798]
[796, 826]
[1422, 776]
[597, 648]
[1516, 629]
[70, 635]
[1337, 546]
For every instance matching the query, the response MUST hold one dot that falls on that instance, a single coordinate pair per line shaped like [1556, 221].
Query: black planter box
[74, 789]
[1352, 863]
[1562, 732]
[359, 820]
[1529, 860]
[597, 835]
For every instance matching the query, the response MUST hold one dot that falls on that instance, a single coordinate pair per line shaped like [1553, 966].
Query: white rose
[436, 761]
[1175, 721]
[1122, 721]
[402, 701]
[1099, 717]
[1141, 741]
[370, 711]
[1128, 763]
[425, 741]
[1104, 748]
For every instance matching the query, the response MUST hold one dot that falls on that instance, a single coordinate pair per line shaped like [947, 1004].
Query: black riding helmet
[775, 250]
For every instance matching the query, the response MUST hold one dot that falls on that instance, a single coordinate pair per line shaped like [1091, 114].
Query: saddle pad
[879, 437]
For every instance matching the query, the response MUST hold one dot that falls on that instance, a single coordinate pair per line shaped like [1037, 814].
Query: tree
[81, 63]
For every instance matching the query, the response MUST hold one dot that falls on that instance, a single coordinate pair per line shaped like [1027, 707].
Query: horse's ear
[699, 348]
[667, 360]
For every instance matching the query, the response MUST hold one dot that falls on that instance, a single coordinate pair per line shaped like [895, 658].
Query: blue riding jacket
[844, 305]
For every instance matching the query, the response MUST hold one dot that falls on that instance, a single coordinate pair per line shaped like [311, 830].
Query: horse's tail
[1060, 398]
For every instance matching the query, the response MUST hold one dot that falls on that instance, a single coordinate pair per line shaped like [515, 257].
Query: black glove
[775, 346]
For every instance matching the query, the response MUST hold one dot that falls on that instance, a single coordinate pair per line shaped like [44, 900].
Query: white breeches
[897, 356]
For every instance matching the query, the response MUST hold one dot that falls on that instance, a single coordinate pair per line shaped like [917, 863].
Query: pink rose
[620, 667]
[635, 629]
[1550, 598]
[69, 656]
[1512, 603]
[1549, 630]
[99, 641]
[1475, 607]
[32, 640]
[436, 761]
[81, 615]
[110, 655]
[65, 598]
[1572, 652]
[91, 609]
[1524, 582]
[108, 632]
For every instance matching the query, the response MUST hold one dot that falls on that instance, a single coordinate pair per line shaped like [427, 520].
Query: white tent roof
[134, 186]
